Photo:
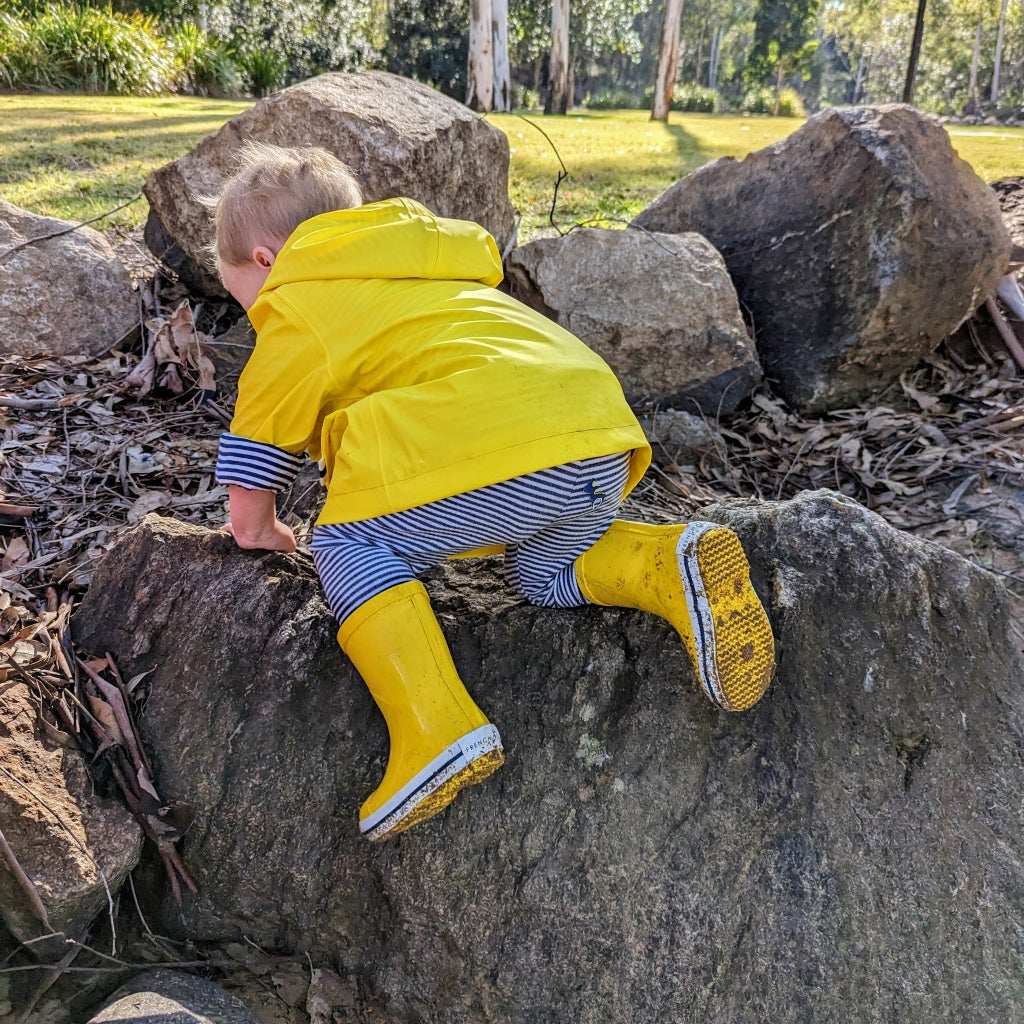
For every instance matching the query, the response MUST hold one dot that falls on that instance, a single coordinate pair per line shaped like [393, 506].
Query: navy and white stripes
[544, 519]
[255, 465]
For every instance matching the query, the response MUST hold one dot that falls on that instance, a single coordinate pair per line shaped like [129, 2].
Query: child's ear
[263, 257]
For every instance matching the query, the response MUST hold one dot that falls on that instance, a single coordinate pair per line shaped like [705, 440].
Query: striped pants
[545, 520]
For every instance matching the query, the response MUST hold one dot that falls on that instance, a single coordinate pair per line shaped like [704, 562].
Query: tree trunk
[480, 87]
[915, 53]
[558, 69]
[858, 84]
[716, 56]
[999, 52]
[668, 61]
[502, 73]
[201, 16]
[972, 88]
[778, 90]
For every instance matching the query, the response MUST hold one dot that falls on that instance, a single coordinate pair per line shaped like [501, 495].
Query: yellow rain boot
[698, 578]
[440, 739]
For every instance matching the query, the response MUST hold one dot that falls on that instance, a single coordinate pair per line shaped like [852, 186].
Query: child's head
[270, 194]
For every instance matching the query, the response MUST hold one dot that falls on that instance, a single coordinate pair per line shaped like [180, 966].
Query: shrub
[206, 63]
[525, 98]
[614, 99]
[761, 100]
[98, 50]
[694, 98]
[23, 65]
[263, 70]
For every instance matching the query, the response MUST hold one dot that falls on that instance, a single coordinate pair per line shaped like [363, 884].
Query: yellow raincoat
[384, 348]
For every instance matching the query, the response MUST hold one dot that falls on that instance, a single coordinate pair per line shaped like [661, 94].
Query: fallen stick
[26, 883]
[29, 404]
[9, 509]
[1005, 331]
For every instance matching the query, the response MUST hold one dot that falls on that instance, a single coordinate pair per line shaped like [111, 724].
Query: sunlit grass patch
[617, 160]
[992, 152]
[76, 157]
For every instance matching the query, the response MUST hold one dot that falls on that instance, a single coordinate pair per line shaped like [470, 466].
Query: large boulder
[660, 309]
[63, 291]
[855, 840]
[399, 138]
[856, 244]
[74, 846]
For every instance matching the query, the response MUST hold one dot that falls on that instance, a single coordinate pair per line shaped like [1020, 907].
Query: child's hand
[278, 538]
[254, 523]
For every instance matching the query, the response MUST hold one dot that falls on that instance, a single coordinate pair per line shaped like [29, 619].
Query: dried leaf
[164, 349]
[170, 379]
[17, 553]
[144, 375]
[135, 680]
[104, 714]
[147, 784]
[182, 327]
[929, 403]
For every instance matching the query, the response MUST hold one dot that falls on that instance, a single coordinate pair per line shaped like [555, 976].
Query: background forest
[732, 54]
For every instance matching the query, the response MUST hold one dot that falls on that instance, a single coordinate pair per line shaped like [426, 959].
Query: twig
[1005, 331]
[106, 970]
[67, 828]
[64, 231]
[47, 983]
[24, 881]
[29, 404]
[8, 509]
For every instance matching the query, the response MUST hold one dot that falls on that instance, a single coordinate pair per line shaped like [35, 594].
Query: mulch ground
[89, 446]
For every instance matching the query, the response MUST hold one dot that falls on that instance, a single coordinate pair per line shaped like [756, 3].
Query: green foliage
[695, 99]
[207, 64]
[525, 98]
[614, 99]
[761, 100]
[263, 70]
[86, 49]
[429, 40]
[783, 38]
[289, 40]
[23, 64]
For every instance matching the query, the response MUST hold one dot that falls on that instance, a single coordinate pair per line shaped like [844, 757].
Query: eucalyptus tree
[559, 88]
[784, 40]
[668, 61]
[480, 73]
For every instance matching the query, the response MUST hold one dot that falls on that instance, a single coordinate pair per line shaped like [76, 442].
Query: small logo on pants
[593, 493]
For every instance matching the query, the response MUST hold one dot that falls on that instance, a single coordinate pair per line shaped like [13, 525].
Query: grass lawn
[75, 157]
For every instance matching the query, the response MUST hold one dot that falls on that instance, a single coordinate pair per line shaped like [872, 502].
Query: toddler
[450, 418]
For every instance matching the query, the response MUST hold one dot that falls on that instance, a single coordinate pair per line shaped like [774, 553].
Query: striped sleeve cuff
[255, 465]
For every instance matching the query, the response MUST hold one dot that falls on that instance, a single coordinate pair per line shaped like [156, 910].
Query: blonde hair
[272, 192]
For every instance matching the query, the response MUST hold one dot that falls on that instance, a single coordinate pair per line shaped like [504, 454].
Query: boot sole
[467, 761]
[735, 650]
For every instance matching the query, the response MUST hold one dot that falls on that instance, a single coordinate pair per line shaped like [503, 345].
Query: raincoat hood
[391, 239]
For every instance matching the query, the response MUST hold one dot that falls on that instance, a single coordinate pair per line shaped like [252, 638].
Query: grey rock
[63, 296]
[856, 244]
[160, 996]
[659, 308]
[855, 840]
[66, 838]
[682, 436]
[397, 136]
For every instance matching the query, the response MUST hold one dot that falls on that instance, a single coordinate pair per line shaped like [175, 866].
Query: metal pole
[915, 52]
